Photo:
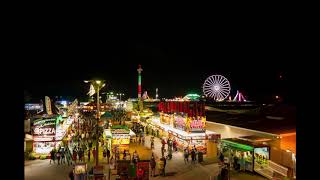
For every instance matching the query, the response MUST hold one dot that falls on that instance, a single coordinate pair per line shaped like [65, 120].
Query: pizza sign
[44, 131]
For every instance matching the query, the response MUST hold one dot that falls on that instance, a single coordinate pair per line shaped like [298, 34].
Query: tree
[119, 115]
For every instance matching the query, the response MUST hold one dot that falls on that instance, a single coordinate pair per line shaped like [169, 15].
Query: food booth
[188, 132]
[251, 155]
[118, 138]
[44, 131]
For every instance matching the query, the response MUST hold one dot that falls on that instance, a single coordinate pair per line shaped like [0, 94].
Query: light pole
[97, 83]
[120, 94]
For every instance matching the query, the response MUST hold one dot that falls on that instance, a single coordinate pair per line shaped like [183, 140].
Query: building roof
[244, 142]
[277, 119]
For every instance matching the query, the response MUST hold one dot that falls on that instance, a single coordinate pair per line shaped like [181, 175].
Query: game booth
[118, 137]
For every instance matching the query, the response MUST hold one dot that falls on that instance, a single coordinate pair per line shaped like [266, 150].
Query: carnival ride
[216, 87]
[239, 97]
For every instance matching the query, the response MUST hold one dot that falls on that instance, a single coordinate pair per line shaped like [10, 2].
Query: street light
[120, 94]
[97, 84]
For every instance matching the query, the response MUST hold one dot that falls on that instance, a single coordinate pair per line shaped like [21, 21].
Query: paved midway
[175, 169]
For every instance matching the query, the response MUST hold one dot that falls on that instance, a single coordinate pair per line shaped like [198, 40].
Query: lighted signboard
[165, 118]
[180, 122]
[120, 141]
[44, 127]
[198, 124]
[44, 130]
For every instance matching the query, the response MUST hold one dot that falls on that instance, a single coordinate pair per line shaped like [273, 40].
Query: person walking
[62, 155]
[52, 156]
[104, 153]
[89, 154]
[140, 173]
[135, 156]
[221, 158]
[161, 166]
[162, 150]
[193, 156]
[108, 154]
[175, 145]
[152, 142]
[186, 155]
[94, 154]
[74, 155]
[80, 154]
[153, 166]
[58, 157]
[196, 154]
[170, 152]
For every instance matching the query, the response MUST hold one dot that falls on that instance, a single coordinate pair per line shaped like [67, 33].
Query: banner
[91, 91]
[48, 105]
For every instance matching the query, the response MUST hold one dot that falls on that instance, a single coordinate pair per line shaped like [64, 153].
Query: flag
[48, 105]
[91, 91]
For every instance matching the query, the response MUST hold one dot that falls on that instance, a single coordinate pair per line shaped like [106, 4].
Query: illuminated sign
[44, 131]
[165, 118]
[120, 140]
[197, 124]
[180, 122]
[43, 139]
[120, 131]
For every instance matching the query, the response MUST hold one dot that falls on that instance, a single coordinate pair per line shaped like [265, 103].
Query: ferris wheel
[217, 87]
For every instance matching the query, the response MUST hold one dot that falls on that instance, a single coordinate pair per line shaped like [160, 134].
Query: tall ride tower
[139, 81]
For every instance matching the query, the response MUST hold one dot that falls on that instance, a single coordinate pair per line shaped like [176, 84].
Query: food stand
[248, 153]
[118, 137]
[44, 131]
[195, 136]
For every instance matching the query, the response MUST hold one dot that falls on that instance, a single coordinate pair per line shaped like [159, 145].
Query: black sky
[252, 62]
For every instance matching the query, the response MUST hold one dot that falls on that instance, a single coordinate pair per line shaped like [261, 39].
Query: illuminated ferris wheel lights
[216, 87]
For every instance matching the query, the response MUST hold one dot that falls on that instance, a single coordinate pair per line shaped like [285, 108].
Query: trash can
[200, 157]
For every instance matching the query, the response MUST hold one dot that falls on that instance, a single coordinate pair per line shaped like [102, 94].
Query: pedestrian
[94, 154]
[80, 154]
[153, 166]
[140, 173]
[58, 157]
[170, 152]
[196, 154]
[221, 158]
[108, 154]
[162, 150]
[152, 142]
[89, 154]
[62, 156]
[161, 166]
[74, 155]
[104, 153]
[52, 156]
[175, 145]
[135, 156]
[186, 156]
[124, 155]
[193, 156]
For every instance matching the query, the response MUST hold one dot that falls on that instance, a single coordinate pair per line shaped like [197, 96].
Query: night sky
[176, 66]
